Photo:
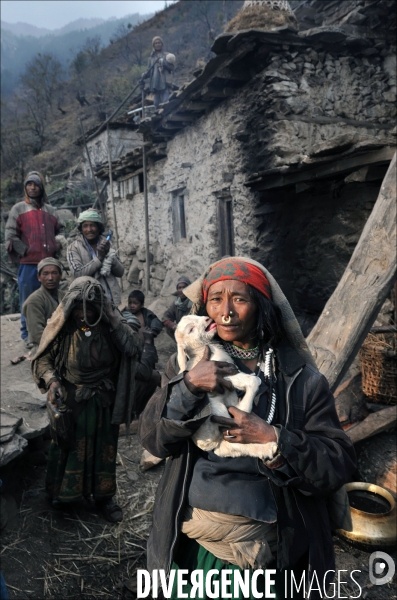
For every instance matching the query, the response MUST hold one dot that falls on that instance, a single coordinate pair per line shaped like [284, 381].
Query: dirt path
[47, 554]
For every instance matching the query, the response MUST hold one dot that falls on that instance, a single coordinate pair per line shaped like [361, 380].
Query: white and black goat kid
[192, 335]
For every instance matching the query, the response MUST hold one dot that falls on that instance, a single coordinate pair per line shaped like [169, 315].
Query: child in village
[148, 326]
[146, 317]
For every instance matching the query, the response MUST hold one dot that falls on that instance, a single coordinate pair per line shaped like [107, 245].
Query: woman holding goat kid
[219, 513]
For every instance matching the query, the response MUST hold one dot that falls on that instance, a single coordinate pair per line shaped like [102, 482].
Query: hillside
[21, 28]
[40, 123]
[19, 42]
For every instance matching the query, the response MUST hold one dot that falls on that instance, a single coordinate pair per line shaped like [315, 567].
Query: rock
[9, 425]
[158, 272]
[141, 254]
[133, 273]
[132, 475]
[148, 461]
[377, 461]
[12, 449]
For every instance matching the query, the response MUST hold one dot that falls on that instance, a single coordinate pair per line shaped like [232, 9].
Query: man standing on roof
[30, 232]
[160, 63]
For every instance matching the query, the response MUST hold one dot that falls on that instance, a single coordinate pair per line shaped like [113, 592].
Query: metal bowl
[371, 528]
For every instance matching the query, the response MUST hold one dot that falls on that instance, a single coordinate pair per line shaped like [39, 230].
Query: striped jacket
[83, 263]
[31, 232]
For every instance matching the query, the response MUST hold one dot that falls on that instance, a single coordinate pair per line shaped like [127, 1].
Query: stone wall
[353, 95]
[122, 140]
[203, 162]
[306, 104]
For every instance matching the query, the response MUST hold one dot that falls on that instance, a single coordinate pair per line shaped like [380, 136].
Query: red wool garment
[230, 268]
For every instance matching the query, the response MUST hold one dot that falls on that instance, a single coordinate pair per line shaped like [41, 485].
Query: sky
[53, 14]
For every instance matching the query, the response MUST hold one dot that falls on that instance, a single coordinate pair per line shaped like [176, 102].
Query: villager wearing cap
[86, 255]
[30, 232]
[220, 513]
[40, 305]
[160, 63]
[178, 309]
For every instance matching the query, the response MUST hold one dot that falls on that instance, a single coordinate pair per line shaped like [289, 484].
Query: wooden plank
[375, 423]
[212, 92]
[196, 106]
[336, 167]
[181, 116]
[353, 307]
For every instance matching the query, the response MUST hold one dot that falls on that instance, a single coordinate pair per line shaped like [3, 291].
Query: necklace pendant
[87, 333]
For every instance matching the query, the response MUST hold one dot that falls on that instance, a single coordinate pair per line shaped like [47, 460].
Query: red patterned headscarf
[232, 268]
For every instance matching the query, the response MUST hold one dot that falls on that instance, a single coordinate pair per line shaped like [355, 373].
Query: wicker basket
[379, 367]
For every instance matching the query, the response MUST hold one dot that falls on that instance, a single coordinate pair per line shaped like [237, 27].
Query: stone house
[275, 150]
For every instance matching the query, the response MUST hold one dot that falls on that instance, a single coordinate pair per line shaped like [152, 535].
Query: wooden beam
[196, 106]
[336, 167]
[375, 423]
[353, 307]
[178, 116]
[229, 75]
[214, 92]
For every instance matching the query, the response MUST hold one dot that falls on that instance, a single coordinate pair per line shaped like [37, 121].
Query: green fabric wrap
[192, 556]
[89, 466]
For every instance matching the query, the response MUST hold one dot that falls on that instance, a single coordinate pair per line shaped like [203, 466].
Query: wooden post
[147, 288]
[144, 159]
[117, 244]
[363, 288]
[111, 188]
[92, 173]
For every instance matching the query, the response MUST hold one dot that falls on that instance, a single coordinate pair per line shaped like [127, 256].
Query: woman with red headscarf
[216, 513]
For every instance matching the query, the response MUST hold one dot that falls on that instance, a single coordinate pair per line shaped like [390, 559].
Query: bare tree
[131, 43]
[205, 15]
[42, 78]
[15, 142]
[92, 49]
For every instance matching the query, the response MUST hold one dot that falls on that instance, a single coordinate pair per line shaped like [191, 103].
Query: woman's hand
[55, 393]
[246, 428]
[209, 375]
[102, 249]
[157, 378]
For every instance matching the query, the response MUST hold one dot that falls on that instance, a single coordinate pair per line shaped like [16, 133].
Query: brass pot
[372, 529]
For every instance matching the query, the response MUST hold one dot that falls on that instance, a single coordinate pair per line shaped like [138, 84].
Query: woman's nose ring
[226, 320]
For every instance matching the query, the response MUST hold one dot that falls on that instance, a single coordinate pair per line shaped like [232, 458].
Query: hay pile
[260, 17]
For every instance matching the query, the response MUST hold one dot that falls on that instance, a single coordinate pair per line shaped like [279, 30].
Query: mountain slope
[98, 81]
[17, 50]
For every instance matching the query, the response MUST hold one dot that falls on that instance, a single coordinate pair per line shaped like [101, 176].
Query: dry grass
[78, 554]
[260, 17]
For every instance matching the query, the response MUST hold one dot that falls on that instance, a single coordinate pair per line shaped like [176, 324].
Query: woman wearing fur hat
[30, 232]
[243, 513]
[158, 67]
[86, 362]
[87, 253]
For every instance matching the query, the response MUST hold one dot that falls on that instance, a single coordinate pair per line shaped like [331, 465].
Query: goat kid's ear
[181, 357]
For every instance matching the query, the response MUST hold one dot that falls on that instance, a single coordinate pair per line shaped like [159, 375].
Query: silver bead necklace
[267, 368]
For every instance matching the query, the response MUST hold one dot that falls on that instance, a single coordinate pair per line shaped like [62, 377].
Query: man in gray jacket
[40, 305]
[86, 255]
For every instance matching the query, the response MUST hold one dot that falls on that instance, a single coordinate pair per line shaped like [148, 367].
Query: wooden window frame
[179, 230]
[225, 226]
